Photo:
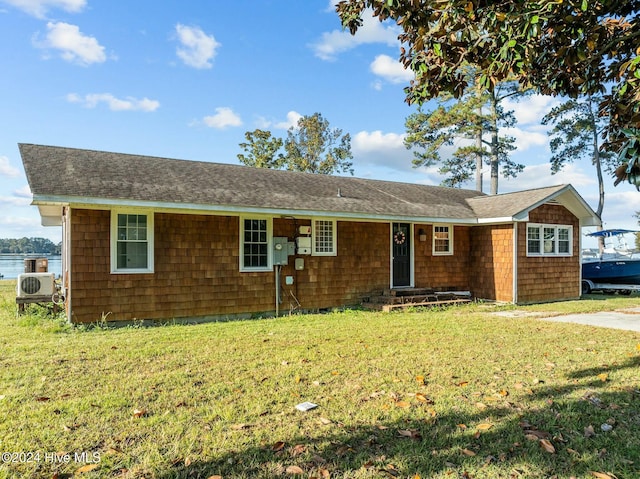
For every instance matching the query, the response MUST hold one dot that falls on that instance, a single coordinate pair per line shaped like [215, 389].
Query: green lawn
[455, 393]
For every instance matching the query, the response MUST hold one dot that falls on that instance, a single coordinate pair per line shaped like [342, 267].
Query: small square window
[324, 237]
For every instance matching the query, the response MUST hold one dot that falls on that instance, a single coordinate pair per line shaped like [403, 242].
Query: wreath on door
[399, 238]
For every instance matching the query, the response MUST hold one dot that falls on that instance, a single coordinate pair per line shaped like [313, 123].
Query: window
[254, 253]
[549, 240]
[324, 238]
[442, 240]
[131, 242]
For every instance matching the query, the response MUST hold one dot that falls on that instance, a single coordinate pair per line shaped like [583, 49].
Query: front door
[401, 250]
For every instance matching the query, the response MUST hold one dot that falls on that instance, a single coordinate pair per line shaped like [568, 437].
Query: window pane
[255, 248]
[441, 243]
[323, 236]
[549, 240]
[533, 239]
[132, 246]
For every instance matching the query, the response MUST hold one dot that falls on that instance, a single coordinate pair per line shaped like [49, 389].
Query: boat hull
[618, 271]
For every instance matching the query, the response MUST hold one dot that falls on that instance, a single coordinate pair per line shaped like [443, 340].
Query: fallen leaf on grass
[403, 404]
[589, 431]
[468, 452]
[139, 413]
[602, 475]
[43, 399]
[215, 476]
[410, 433]
[278, 446]
[87, 468]
[603, 377]
[298, 449]
[547, 446]
[484, 426]
[294, 470]
[238, 427]
[422, 398]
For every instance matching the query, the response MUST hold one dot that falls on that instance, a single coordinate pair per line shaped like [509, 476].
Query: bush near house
[460, 392]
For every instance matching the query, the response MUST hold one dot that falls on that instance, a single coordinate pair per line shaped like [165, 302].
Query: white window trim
[334, 237]
[250, 269]
[114, 241]
[433, 242]
[556, 253]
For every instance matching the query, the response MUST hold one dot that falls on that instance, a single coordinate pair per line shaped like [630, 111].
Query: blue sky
[188, 79]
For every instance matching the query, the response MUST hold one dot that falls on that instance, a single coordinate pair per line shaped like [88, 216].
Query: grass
[454, 393]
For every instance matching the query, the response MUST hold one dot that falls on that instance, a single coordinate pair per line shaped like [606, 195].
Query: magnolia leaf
[139, 413]
[87, 468]
[278, 446]
[410, 433]
[215, 476]
[603, 377]
[298, 449]
[403, 404]
[547, 446]
[422, 398]
[468, 452]
[602, 475]
[589, 431]
[484, 426]
[294, 470]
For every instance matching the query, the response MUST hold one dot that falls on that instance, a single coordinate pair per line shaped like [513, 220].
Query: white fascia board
[501, 220]
[194, 208]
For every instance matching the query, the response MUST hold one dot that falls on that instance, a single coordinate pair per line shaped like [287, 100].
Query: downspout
[515, 263]
[66, 259]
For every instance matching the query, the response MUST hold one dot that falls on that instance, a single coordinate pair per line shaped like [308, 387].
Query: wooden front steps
[392, 299]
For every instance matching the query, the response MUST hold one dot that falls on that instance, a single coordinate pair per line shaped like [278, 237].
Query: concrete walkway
[628, 319]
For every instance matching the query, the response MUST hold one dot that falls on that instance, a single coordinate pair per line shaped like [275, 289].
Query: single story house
[164, 239]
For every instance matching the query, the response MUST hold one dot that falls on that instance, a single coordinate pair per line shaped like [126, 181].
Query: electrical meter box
[280, 251]
[304, 244]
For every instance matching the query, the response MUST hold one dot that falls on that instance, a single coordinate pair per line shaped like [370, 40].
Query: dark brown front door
[401, 239]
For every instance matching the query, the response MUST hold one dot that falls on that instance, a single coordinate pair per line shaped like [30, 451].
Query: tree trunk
[495, 160]
[478, 152]
[598, 164]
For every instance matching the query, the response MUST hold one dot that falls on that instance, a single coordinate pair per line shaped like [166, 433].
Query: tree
[576, 135]
[311, 146]
[568, 48]
[261, 150]
[466, 120]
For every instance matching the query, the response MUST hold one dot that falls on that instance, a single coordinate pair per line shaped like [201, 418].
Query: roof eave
[110, 203]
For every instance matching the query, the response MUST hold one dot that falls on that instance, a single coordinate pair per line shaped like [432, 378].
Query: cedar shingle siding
[197, 208]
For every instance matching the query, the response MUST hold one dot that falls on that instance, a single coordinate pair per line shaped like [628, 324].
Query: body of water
[11, 265]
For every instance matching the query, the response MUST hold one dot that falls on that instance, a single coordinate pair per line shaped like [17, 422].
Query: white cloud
[74, 46]
[196, 49]
[291, 121]
[115, 104]
[39, 8]
[530, 109]
[528, 138]
[372, 31]
[381, 149]
[223, 118]
[391, 69]
[539, 176]
[19, 197]
[6, 169]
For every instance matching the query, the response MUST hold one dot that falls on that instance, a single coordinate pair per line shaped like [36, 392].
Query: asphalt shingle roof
[75, 175]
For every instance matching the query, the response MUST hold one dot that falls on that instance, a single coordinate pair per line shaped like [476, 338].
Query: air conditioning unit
[35, 284]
